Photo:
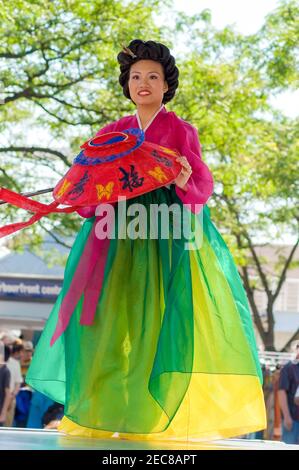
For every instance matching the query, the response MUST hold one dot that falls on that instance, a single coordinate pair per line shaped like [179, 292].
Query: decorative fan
[116, 164]
[109, 166]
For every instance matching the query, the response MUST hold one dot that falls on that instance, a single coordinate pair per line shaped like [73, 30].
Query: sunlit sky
[247, 16]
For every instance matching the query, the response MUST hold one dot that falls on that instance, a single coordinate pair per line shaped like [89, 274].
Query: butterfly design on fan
[105, 191]
[64, 187]
[158, 174]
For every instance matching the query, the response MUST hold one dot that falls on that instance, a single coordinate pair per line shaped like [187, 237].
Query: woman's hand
[182, 179]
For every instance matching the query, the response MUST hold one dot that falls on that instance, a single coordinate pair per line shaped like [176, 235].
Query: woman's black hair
[148, 50]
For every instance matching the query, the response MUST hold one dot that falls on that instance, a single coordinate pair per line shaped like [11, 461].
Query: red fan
[109, 166]
[116, 164]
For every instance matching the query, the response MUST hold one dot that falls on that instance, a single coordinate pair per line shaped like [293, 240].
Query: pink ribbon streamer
[88, 280]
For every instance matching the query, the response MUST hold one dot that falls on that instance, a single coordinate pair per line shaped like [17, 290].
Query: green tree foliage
[228, 84]
[59, 83]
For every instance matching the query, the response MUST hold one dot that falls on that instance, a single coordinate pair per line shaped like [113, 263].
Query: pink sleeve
[89, 211]
[200, 185]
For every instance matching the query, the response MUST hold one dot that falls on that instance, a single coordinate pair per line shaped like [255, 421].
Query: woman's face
[146, 83]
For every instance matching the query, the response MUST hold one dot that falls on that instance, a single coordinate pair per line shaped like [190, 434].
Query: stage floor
[42, 439]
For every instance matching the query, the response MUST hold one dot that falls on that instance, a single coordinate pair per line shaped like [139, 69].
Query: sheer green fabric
[131, 369]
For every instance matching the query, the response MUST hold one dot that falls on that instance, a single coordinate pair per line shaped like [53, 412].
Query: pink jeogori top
[168, 130]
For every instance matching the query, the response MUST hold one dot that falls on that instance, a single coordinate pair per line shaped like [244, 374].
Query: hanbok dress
[150, 339]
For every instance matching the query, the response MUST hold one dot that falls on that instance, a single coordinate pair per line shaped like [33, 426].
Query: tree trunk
[268, 340]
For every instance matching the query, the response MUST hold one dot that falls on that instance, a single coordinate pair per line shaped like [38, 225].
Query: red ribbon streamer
[23, 202]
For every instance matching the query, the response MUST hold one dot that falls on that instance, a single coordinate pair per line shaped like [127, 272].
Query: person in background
[5, 394]
[9, 339]
[53, 415]
[288, 384]
[16, 379]
[23, 402]
[26, 356]
[277, 414]
[23, 398]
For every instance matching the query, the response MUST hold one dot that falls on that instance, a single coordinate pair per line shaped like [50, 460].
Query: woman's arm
[283, 403]
[200, 184]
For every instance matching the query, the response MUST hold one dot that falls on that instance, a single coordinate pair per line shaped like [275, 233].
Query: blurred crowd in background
[22, 407]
